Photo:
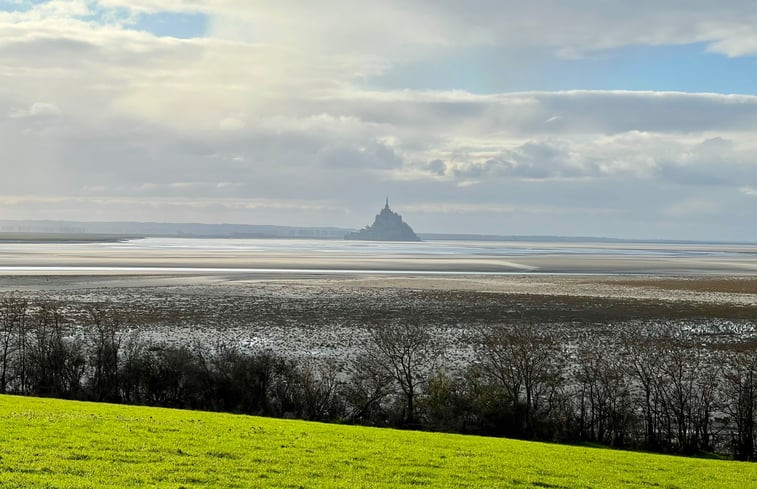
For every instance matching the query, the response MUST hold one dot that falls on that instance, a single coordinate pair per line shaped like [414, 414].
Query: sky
[582, 118]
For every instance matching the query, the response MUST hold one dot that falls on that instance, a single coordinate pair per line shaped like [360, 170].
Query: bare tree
[56, 363]
[687, 385]
[406, 353]
[367, 387]
[449, 402]
[13, 318]
[23, 333]
[739, 392]
[132, 368]
[242, 380]
[526, 362]
[320, 388]
[645, 352]
[603, 391]
[104, 360]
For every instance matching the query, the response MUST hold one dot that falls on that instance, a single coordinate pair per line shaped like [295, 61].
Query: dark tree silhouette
[526, 364]
[104, 353]
[739, 390]
[13, 320]
[406, 353]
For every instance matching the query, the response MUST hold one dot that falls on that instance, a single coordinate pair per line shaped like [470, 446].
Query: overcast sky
[605, 118]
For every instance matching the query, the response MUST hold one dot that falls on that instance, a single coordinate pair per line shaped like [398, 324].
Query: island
[388, 226]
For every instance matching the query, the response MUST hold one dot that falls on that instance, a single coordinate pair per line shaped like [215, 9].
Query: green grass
[62, 444]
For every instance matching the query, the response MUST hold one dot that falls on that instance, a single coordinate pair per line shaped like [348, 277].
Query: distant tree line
[649, 388]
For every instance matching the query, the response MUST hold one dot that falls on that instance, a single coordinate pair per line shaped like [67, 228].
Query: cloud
[693, 207]
[68, 8]
[35, 110]
[534, 159]
[231, 123]
[278, 102]
[582, 111]
[437, 167]
[500, 209]
[135, 208]
[415, 27]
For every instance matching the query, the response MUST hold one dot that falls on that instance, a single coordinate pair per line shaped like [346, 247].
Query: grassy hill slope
[63, 444]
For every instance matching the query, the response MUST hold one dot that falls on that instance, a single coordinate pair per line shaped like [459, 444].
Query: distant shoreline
[73, 238]
[29, 238]
[93, 231]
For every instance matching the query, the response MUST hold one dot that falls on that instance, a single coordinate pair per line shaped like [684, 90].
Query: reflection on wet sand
[271, 257]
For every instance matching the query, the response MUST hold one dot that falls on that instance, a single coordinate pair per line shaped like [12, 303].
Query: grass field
[63, 444]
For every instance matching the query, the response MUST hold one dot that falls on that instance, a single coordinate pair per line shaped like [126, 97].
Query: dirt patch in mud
[730, 285]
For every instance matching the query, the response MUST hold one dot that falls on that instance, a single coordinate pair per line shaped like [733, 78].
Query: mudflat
[707, 289]
[327, 317]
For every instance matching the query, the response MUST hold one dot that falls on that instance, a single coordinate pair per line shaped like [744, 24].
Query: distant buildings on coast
[171, 230]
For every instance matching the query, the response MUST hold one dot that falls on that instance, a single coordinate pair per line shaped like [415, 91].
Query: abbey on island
[388, 226]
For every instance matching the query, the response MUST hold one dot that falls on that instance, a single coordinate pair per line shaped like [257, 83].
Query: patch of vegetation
[65, 444]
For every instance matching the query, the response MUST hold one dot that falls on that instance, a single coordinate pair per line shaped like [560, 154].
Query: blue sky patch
[181, 25]
[18, 6]
[687, 68]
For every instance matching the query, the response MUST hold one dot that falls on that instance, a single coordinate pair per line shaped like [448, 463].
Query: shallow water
[279, 256]
[457, 248]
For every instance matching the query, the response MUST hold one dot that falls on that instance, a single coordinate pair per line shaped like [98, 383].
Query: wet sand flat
[213, 257]
[711, 289]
